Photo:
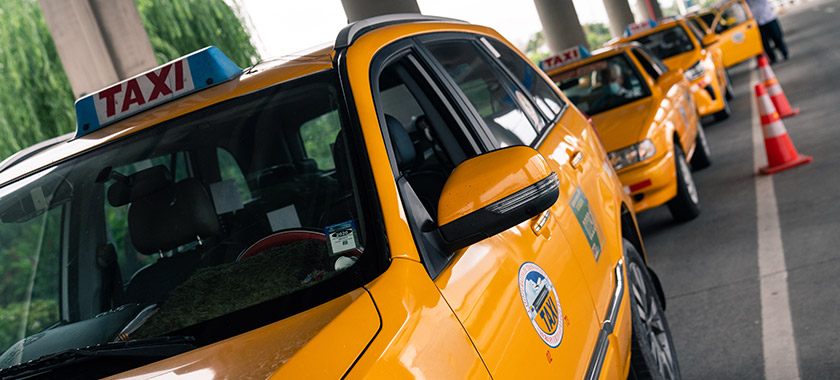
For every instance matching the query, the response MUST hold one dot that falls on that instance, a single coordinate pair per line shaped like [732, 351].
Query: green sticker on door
[590, 226]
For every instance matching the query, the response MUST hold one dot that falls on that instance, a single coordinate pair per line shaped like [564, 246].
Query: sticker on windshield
[591, 228]
[341, 237]
[541, 303]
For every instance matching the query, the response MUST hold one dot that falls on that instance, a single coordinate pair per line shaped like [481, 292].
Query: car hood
[322, 342]
[683, 61]
[625, 125]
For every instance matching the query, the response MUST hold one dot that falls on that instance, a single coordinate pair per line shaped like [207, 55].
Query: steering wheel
[280, 238]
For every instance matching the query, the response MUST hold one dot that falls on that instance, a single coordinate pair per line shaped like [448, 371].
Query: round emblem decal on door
[738, 37]
[541, 303]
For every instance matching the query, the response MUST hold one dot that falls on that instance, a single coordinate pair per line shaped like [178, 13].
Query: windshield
[668, 42]
[602, 85]
[234, 206]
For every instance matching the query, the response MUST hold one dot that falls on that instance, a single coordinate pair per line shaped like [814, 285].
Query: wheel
[686, 205]
[702, 157]
[729, 89]
[725, 112]
[652, 353]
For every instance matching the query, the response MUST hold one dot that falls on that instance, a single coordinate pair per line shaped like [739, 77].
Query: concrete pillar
[648, 10]
[620, 15]
[100, 42]
[361, 9]
[560, 23]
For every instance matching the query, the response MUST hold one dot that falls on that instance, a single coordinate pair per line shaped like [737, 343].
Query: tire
[729, 88]
[652, 353]
[686, 205]
[724, 113]
[702, 153]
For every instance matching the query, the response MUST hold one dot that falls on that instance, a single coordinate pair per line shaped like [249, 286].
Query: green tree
[596, 35]
[179, 27]
[36, 101]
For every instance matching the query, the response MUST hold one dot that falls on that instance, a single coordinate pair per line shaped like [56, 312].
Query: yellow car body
[433, 295]
[663, 114]
[738, 36]
[703, 65]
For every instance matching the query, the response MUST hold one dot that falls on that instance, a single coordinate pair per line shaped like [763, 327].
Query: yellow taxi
[737, 31]
[644, 113]
[681, 46]
[415, 201]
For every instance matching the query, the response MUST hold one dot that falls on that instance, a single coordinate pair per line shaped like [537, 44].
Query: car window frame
[652, 71]
[430, 245]
[552, 121]
[477, 122]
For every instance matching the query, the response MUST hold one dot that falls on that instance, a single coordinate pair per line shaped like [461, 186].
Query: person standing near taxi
[770, 29]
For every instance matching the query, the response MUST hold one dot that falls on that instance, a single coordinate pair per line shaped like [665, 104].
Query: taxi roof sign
[639, 27]
[564, 57]
[193, 72]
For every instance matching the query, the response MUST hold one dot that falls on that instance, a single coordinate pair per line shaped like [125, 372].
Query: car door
[738, 31]
[521, 295]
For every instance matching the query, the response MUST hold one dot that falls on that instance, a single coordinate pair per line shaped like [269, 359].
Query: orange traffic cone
[777, 95]
[781, 154]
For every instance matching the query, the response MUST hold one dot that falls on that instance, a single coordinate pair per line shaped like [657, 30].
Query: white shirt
[761, 11]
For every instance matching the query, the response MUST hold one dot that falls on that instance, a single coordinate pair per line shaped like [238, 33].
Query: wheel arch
[630, 230]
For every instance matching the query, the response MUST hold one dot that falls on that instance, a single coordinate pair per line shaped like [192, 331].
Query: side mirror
[490, 193]
[710, 39]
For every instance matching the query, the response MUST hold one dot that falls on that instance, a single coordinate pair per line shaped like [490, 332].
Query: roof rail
[353, 31]
[33, 150]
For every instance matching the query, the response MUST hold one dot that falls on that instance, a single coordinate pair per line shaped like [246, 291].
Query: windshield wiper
[100, 360]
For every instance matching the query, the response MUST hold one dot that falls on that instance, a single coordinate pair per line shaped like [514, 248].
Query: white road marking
[780, 361]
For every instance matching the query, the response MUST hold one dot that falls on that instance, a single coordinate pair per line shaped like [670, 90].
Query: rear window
[667, 43]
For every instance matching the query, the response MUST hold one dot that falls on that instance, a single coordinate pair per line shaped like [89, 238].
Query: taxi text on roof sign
[639, 27]
[564, 57]
[201, 69]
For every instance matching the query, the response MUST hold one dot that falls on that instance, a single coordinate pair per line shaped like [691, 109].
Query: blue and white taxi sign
[639, 27]
[564, 57]
[201, 69]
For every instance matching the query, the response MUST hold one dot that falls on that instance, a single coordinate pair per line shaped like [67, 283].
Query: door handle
[576, 160]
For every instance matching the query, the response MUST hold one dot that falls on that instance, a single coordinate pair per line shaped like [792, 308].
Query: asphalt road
[709, 266]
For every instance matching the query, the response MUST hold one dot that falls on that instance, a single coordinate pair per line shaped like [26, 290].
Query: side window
[317, 135]
[541, 92]
[230, 170]
[657, 63]
[507, 112]
[652, 71]
[733, 15]
[426, 138]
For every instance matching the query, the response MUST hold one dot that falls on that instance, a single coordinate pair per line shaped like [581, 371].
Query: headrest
[138, 185]
[306, 165]
[401, 141]
[173, 216]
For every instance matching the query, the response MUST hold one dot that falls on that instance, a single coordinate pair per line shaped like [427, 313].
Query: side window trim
[490, 53]
[429, 243]
[649, 67]
[463, 101]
